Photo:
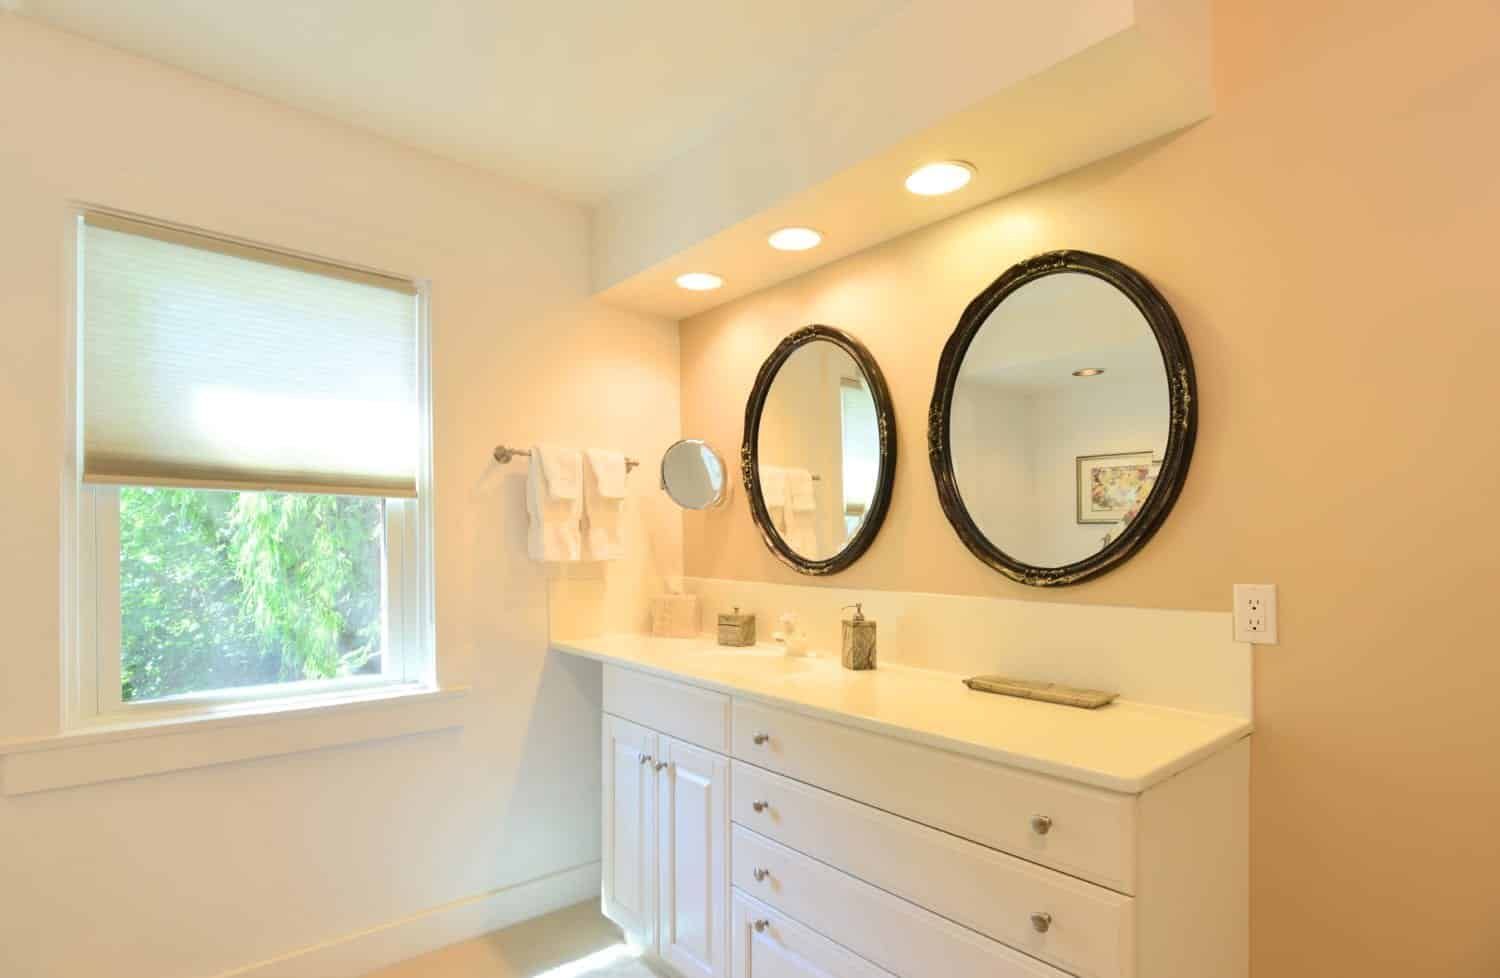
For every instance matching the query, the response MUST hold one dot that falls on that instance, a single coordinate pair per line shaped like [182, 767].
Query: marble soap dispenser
[859, 640]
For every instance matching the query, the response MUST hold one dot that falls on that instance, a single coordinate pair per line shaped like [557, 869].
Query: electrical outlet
[1255, 613]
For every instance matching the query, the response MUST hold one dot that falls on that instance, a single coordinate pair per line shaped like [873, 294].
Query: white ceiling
[578, 96]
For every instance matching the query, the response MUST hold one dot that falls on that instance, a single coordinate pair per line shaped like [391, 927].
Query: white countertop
[1124, 747]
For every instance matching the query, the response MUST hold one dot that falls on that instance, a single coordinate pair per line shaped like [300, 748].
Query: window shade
[216, 364]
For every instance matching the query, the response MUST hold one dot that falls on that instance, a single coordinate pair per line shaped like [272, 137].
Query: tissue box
[675, 616]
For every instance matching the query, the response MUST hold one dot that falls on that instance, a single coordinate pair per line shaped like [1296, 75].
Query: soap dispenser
[859, 640]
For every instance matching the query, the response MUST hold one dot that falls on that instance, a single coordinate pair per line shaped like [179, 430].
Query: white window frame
[91, 667]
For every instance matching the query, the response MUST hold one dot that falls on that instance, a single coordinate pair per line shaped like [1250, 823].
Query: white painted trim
[364, 951]
[238, 733]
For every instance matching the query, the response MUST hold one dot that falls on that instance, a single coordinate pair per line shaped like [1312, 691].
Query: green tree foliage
[227, 589]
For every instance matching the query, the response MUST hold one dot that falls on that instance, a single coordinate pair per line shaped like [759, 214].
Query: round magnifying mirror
[694, 475]
[1063, 418]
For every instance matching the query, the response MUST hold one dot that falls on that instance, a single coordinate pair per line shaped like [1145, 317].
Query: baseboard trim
[356, 954]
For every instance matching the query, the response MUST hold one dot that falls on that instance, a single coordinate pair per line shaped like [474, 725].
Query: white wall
[203, 871]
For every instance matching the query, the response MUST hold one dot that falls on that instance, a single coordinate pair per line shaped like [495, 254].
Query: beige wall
[201, 871]
[1327, 239]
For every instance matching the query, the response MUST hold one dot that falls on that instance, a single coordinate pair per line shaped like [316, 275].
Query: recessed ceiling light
[795, 239]
[1088, 372]
[699, 281]
[936, 179]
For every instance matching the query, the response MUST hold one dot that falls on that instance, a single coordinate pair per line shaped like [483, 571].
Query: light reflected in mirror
[694, 475]
[818, 451]
[1059, 419]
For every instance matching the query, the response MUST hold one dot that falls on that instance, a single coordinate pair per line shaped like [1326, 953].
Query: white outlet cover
[1255, 613]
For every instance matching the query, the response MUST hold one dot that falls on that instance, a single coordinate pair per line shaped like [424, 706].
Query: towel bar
[503, 455]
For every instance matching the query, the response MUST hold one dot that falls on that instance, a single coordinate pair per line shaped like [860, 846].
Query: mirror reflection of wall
[1061, 405]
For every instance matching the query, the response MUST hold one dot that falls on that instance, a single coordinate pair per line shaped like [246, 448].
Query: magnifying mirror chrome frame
[699, 443]
[1182, 428]
[885, 416]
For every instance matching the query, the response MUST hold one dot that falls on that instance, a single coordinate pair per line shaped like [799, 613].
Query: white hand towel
[799, 491]
[801, 513]
[554, 504]
[773, 486]
[563, 468]
[603, 504]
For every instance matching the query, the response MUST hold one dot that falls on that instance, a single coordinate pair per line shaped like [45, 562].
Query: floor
[573, 943]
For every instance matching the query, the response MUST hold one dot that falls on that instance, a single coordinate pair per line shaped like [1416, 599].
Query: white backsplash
[1183, 659]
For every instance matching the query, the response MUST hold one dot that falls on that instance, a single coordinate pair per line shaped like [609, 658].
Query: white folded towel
[799, 491]
[603, 504]
[563, 468]
[554, 503]
[801, 533]
[773, 486]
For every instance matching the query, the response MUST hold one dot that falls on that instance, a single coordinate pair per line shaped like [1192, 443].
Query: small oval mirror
[819, 454]
[693, 474]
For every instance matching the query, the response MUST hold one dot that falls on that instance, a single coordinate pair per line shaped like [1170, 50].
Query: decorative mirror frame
[885, 415]
[1182, 428]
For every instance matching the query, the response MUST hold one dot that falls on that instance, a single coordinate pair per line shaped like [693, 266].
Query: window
[251, 511]
[861, 444]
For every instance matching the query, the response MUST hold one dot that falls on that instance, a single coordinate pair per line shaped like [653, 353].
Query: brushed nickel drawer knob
[760, 806]
[646, 758]
[1041, 824]
[660, 765]
[1041, 922]
[761, 925]
[761, 875]
[761, 739]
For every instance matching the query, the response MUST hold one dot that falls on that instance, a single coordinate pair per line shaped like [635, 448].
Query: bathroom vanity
[774, 816]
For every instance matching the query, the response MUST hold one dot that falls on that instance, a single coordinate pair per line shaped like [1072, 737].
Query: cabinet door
[768, 944]
[693, 856]
[629, 844]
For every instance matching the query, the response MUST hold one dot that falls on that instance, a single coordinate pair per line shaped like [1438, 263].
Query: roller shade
[212, 363]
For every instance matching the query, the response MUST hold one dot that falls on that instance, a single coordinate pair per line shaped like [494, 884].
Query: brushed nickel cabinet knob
[1041, 824]
[761, 925]
[661, 765]
[760, 806]
[761, 875]
[761, 739]
[646, 758]
[1041, 922]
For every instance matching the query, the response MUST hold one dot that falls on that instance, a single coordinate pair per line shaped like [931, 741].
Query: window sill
[110, 750]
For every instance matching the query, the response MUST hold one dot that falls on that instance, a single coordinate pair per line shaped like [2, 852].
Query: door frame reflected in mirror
[885, 415]
[1182, 420]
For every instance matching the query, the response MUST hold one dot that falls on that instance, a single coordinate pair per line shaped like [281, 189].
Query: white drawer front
[898, 936]
[698, 716]
[1090, 832]
[1090, 930]
[769, 944]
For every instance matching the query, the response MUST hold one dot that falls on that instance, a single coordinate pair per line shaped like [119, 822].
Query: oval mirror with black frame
[819, 455]
[1063, 418]
[694, 475]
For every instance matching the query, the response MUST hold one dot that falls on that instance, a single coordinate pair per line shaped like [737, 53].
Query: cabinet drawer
[698, 716]
[768, 944]
[1091, 929]
[898, 936]
[1089, 832]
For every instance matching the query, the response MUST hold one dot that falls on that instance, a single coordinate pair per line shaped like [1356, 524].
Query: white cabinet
[666, 847]
[692, 845]
[768, 944]
[827, 850]
[629, 843]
